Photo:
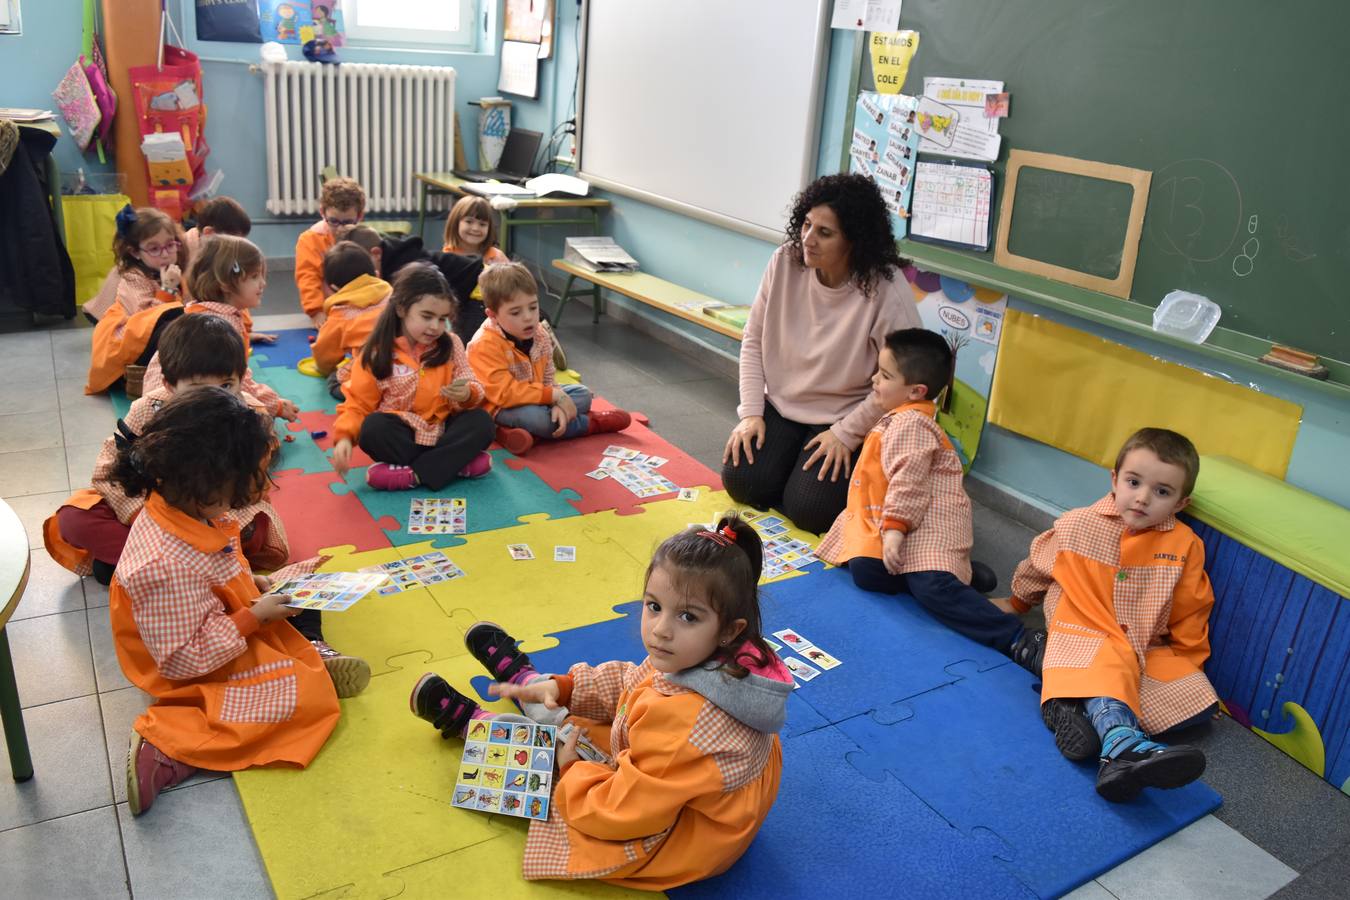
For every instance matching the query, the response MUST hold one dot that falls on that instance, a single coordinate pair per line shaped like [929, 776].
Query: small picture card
[996, 106]
[610, 462]
[800, 669]
[820, 658]
[655, 462]
[520, 551]
[598, 474]
[618, 452]
[689, 495]
[794, 641]
[773, 645]
[564, 554]
[506, 768]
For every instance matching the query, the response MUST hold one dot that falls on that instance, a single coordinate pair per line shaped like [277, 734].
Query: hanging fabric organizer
[169, 107]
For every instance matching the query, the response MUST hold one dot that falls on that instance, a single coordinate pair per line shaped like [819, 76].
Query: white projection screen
[707, 107]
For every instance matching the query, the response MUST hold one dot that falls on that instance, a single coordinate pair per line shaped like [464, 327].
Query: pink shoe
[479, 466]
[149, 771]
[386, 477]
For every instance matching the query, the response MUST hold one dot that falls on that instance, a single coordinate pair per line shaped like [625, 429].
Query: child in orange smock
[412, 400]
[234, 684]
[150, 257]
[691, 732]
[1127, 601]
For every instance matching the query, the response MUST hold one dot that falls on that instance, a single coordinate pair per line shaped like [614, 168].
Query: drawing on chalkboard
[1034, 211]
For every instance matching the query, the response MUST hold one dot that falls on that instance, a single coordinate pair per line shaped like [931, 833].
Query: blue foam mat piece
[832, 833]
[292, 346]
[977, 752]
[890, 647]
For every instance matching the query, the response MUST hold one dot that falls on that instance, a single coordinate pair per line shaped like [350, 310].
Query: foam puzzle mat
[886, 744]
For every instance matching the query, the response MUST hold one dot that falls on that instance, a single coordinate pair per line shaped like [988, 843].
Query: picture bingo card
[418, 571]
[438, 515]
[329, 591]
[951, 204]
[506, 768]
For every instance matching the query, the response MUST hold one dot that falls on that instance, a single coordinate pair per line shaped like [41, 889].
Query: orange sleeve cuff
[564, 683]
[895, 525]
[245, 621]
[1019, 604]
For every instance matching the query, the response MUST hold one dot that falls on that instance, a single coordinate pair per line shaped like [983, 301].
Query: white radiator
[378, 124]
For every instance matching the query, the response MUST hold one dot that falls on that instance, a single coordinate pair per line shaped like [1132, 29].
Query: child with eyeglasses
[151, 256]
[342, 204]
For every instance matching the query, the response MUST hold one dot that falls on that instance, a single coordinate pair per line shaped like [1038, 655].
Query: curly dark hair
[204, 446]
[865, 221]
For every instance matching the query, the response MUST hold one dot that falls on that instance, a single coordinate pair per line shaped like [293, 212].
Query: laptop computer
[516, 162]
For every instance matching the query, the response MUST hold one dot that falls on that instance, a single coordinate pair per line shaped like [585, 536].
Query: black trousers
[309, 623]
[957, 605]
[389, 439]
[334, 386]
[775, 479]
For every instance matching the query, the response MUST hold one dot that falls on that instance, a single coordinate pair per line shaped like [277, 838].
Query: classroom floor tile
[78, 855]
[51, 589]
[52, 659]
[70, 768]
[1207, 859]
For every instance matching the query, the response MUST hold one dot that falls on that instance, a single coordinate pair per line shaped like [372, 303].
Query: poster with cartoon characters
[300, 21]
[971, 319]
[885, 146]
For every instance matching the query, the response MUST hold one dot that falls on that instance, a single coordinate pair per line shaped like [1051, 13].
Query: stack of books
[598, 254]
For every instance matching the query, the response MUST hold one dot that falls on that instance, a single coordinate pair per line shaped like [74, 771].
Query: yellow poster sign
[891, 53]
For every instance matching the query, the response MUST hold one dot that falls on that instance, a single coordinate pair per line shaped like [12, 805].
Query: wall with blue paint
[33, 63]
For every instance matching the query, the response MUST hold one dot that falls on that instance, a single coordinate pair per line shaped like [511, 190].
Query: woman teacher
[830, 295]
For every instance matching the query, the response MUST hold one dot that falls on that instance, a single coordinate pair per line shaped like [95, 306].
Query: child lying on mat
[692, 731]
[235, 685]
[412, 401]
[907, 525]
[354, 298]
[512, 355]
[1127, 601]
[88, 532]
[227, 279]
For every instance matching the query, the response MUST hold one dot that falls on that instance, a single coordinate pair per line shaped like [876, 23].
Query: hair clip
[234, 268]
[724, 536]
[126, 217]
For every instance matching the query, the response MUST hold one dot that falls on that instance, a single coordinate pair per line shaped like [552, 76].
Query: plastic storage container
[1188, 316]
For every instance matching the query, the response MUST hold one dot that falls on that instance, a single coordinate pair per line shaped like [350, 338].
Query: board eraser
[1292, 360]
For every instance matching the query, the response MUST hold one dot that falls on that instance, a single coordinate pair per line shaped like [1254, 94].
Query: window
[445, 23]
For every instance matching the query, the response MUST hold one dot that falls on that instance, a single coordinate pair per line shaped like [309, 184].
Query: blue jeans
[1108, 712]
[536, 418]
[946, 598]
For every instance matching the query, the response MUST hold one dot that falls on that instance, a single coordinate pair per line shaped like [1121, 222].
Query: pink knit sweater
[812, 349]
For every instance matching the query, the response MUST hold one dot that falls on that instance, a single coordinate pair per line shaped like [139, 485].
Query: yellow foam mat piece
[1086, 395]
[371, 816]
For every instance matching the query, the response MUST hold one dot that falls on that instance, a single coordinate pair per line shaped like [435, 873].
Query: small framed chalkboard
[1072, 220]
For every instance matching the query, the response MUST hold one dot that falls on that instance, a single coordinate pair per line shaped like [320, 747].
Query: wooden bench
[646, 289]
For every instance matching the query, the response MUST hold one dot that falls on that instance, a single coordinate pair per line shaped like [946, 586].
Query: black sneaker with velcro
[1074, 735]
[434, 700]
[495, 650]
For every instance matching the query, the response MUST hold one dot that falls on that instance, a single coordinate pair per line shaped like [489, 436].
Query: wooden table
[13, 580]
[587, 209]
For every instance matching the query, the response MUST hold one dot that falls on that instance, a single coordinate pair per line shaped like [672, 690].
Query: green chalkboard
[1071, 220]
[1238, 108]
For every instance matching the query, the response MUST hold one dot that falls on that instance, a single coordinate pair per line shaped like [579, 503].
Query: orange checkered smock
[411, 392]
[908, 478]
[243, 324]
[688, 788]
[102, 489]
[229, 693]
[124, 330]
[1128, 613]
[509, 377]
[351, 316]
